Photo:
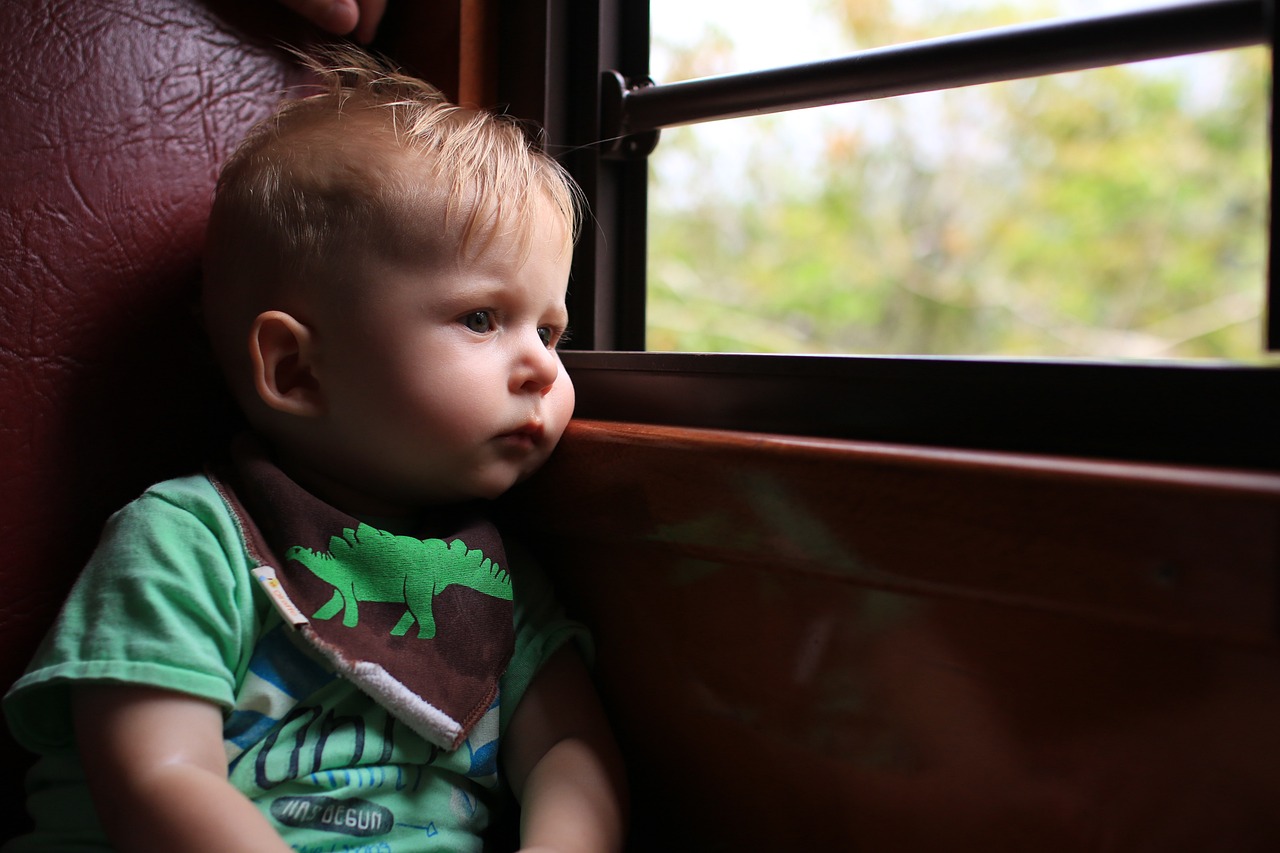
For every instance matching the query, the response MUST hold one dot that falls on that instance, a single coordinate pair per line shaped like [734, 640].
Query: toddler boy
[321, 643]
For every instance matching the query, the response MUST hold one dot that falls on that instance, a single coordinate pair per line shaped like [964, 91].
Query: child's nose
[538, 366]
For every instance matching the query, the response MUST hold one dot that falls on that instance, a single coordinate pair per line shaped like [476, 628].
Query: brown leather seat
[113, 119]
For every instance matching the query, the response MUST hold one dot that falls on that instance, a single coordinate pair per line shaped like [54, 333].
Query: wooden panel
[838, 645]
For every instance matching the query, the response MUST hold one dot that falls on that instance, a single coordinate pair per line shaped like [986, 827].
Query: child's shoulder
[189, 490]
[188, 501]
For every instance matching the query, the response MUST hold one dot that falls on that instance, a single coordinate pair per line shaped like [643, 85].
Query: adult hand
[359, 18]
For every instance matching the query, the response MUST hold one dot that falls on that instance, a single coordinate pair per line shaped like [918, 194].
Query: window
[1115, 212]
[590, 52]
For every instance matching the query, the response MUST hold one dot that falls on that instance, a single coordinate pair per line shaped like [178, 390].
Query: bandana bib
[422, 623]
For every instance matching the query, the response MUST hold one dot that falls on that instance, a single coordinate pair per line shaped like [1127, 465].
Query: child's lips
[527, 435]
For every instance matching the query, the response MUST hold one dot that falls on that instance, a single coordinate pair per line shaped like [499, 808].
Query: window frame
[563, 62]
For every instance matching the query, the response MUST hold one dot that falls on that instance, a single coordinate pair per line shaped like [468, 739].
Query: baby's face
[442, 380]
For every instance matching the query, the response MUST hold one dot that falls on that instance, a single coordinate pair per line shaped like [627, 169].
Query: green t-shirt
[168, 601]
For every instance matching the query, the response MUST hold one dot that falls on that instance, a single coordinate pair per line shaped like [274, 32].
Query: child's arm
[563, 764]
[158, 773]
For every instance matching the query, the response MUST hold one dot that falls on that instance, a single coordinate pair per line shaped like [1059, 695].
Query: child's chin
[496, 488]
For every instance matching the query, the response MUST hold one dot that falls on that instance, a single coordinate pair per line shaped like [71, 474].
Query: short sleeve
[541, 628]
[164, 602]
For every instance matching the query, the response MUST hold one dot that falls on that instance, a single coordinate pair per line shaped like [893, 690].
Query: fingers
[335, 16]
[370, 14]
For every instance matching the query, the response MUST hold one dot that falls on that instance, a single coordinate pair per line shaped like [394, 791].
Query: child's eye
[552, 337]
[479, 321]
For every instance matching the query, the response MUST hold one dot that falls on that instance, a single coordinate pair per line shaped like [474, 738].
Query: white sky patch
[764, 35]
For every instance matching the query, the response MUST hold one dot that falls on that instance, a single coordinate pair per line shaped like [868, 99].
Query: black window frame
[566, 64]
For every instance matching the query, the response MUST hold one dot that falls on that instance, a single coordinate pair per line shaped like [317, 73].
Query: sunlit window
[1116, 213]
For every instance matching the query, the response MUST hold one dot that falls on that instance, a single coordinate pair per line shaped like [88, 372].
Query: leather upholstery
[114, 117]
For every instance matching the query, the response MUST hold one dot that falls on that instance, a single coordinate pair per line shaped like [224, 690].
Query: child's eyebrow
[476, 294]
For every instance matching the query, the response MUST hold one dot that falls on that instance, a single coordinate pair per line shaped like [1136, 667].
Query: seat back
[114, 117]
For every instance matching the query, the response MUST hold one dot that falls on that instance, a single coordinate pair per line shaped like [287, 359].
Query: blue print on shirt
[280, 675]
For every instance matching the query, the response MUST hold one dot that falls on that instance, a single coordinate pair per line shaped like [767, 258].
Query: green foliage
[1118, 213]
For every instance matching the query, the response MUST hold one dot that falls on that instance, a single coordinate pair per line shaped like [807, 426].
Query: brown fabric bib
[422, 623]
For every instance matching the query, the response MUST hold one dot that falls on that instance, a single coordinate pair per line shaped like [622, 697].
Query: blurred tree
[1117, 213]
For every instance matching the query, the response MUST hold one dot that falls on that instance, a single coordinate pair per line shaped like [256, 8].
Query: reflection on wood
[832, 645]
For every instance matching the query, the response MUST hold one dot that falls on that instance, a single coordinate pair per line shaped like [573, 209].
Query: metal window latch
[618, 141]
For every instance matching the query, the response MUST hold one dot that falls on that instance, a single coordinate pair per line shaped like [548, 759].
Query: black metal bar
[1007, 53]
[630, 276]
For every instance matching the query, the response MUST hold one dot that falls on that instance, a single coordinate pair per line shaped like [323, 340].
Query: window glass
[1114, 213]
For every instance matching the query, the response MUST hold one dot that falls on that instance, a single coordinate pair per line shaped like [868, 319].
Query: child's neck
[383, 514]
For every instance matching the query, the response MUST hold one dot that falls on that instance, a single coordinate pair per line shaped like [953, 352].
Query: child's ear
[282, 351]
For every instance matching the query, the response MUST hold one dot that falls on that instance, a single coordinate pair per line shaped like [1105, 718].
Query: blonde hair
[376, 161]
[376, 158]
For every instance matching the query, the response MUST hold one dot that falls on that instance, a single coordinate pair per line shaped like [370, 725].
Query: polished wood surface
[812, 644]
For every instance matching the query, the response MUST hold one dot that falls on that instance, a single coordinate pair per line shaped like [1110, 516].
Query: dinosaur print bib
[421, 623]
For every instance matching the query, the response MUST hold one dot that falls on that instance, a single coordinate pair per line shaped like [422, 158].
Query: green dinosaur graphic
[371, 565]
